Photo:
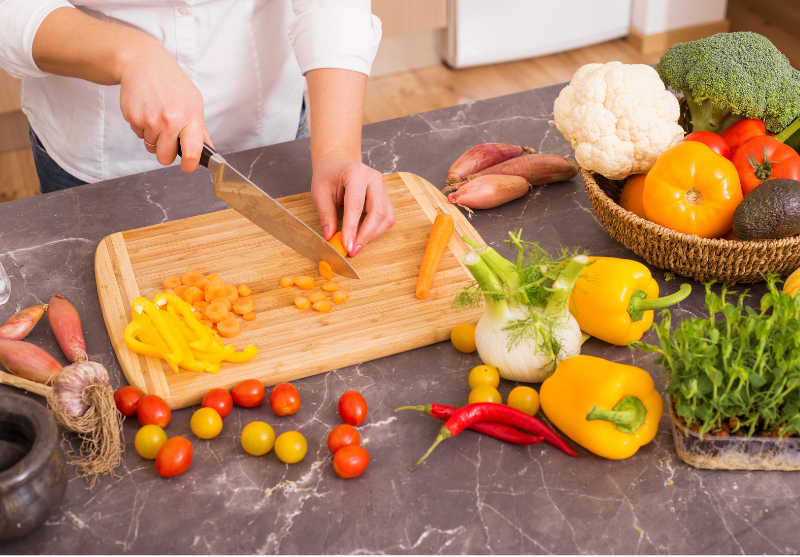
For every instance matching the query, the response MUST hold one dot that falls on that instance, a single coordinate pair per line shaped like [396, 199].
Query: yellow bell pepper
[614, 299]
[610, 409]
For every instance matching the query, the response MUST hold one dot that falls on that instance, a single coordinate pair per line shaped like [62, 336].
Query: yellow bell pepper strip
[608, 408]
[159, 321]
[614, 299]
[203, 335]
[136, 345]
[245, 355]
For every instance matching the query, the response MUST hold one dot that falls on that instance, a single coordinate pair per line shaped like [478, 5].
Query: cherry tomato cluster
[350, 459]
[484, 380]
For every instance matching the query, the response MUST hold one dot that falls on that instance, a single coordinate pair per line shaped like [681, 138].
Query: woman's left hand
[339, 180]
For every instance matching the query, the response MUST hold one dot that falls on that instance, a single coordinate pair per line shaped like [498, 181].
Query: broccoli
[732, 75]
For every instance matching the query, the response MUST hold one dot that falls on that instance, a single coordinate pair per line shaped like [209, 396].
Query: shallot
[489, 191]
[28, 361]
[66, 325]
[21, 323]
[536, 169]
[482, 156]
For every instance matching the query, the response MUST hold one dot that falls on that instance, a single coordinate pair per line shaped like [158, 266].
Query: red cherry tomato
[343, 435]
[153, 410]
[249, 393]
[764, 158]
[220, 400]
[350, 461]
[714, 141]
[741, 131]
[353, 408]
[126, 399]
[174, 457]
[284, 399]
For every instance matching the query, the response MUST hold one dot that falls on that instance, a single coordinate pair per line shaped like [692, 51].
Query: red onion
[68, 390]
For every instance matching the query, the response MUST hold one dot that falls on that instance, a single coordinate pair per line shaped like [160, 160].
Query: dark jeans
[54, 178]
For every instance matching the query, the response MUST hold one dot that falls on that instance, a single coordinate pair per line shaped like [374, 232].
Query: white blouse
[247, 58]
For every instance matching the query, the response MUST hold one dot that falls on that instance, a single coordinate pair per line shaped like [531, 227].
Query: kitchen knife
[259, 208]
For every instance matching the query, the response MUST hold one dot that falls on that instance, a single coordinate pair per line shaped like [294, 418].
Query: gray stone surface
[474, 494]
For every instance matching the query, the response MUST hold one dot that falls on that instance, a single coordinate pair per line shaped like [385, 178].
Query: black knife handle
[205, 155]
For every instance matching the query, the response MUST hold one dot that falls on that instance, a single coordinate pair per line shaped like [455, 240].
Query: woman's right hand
[161, 104]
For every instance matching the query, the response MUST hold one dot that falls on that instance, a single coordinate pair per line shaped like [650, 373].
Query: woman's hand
[339, 180]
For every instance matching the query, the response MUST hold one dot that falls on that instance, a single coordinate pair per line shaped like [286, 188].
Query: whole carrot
[66, 325]
[437, 242]
[536, 169]
[482, 156]
[21, 323]
[498, 413]
[498, 431]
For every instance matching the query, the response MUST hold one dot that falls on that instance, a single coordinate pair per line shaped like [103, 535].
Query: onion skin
[22, 323]
[536, 169]
[66, 325]
[489, 191]
[28, 361]
[482, 156]
[72, 381]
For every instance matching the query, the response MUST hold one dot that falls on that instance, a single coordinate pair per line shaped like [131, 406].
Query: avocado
[771, 210]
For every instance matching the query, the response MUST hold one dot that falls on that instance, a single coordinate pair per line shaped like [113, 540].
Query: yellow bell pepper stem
[640, 303]
[627, 416]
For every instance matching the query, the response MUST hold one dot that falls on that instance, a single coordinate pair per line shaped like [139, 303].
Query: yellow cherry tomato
[206, 423]
[258, 438]
[291, 447]
[148, 441]
[484, 375]
[463, 337]
[485, 393]
[524, 399]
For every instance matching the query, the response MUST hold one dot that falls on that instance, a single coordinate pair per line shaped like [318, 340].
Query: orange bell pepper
[693, 190]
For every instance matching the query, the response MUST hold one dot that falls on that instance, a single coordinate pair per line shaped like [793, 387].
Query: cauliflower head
[618, 117]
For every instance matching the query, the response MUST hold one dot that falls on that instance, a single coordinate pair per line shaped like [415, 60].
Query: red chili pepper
[499, 431]
[498, 413]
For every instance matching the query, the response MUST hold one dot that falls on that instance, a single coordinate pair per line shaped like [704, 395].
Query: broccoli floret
[732, 75]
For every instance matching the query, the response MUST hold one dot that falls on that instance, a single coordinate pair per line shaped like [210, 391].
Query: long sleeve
[334, 34]
[21, 20]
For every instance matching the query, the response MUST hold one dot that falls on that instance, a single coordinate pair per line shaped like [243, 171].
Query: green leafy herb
[669, 276]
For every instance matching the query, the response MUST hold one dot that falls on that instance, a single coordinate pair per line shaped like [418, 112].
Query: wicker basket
[690, 256]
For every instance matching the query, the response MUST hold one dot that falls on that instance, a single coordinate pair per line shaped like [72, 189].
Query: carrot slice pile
[171, 283]
[191, 278]
[244, 290]
[229, 328]
[242, 306]
[249, 316]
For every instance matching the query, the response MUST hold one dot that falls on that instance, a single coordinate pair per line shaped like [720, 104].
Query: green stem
[705, 116]
[628, 415]
[427, 408]
[562, 287]
[788, 131]
[444, 433]
[508, 273]
[471, 243]
[487, 280]
[640, 303]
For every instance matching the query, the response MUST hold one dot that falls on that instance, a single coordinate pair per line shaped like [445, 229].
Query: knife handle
[207, 153]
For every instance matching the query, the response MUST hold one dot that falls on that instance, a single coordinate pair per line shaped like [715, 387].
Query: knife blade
[261, 209]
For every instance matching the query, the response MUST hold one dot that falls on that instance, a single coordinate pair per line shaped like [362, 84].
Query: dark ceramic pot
[33, 472]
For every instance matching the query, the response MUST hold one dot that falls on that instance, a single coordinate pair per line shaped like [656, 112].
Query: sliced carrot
[244, 290]
[242, 306]
[336, 242]
[193, 294]
[249, 316]
[304, 282]
[223, 301]
[322, 306]
[325, 270]
[317, 297]
[252, 327]
[229, 328]
[215, 289]
[200, 268]
[216, 313]
[171, 282]
[339, 296]
[213, 276]
[330, 286]
[170, 291]
[231, 293]
[202, 283]
[207, 323]
[192, 277]
[179, 290]
[286, 282]
[302, 303]
[437, 242]
[200, 307]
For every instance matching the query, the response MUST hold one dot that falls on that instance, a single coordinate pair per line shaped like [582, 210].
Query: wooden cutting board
[382, 315]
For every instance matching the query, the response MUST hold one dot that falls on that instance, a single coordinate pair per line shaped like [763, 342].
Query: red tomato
[714, 141]
[153, 410]
[343, 435]
[741, 131]
[284, 399]
[174, 457]
[353, 408]
[763, 158]
[220, 400]
[249, 393]
[350, 461]
[126, 400]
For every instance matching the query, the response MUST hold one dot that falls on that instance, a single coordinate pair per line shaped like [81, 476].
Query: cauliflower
[618, 117]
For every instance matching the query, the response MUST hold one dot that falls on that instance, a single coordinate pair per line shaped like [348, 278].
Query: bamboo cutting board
[382, 315]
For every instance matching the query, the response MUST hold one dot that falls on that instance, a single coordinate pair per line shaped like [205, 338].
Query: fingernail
[349, 245]
[356, 250]
[325, 232]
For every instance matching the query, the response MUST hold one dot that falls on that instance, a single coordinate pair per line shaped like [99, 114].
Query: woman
[111, 86]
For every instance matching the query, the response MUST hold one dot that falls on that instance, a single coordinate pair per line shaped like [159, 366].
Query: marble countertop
[474, 494]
